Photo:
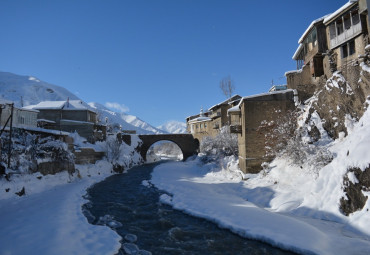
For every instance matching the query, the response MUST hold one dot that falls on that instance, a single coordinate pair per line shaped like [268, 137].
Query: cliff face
[340, 101]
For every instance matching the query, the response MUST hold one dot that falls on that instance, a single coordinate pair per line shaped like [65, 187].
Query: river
[147, 226]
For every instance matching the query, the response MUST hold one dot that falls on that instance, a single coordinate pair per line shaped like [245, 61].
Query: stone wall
[254, 113]
[87, 156]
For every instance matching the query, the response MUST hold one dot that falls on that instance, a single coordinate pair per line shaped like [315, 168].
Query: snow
[231, 99]
[31, 90]
[290, 206]
[57, 105]
[49, 219]
[127, 122]
[173, 127]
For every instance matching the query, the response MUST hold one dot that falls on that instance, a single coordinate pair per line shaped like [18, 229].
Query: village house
[22, 118]
[252, 120]
[70, 116]
[333, 42]
[209, 123]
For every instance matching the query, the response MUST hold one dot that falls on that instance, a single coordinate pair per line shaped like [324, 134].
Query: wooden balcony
[236, 129]
[346, 35]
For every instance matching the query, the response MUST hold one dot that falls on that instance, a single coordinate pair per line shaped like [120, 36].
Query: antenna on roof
[22, 101]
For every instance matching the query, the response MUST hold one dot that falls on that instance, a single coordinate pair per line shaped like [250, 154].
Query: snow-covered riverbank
[49, 219]
[222, 197]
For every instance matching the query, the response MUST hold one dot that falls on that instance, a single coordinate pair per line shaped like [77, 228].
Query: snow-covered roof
[278, 88]
[234, 109]
[268, 94]
[293, 71]
[340, 10]
[298, 50]
[313, 23]
[200, 119]
[233, 98]
[45, 120]
[56, 105]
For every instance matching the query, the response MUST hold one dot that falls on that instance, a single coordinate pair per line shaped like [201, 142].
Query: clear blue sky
[162, 59]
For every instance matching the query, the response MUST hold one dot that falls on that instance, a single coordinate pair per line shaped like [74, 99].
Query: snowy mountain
[173, 127]
[30, 90]
[135, 121]
[27, 90]
[127, 122]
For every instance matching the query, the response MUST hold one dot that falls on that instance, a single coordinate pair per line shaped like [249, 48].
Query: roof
[335, 14]
[233, 98]
[200, 119]
[59, 105]
[298, 50]
[313, 23]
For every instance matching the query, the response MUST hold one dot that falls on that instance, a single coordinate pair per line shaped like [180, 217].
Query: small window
[351, 48]
[333, 34]
[347, 22]
[344, 49]
[339, 27]
[205, 125]
[355, 18]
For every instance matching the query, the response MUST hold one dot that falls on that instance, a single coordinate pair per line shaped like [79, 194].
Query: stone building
[209, 123]
[249, 119]
[70, 116]
[331, 43]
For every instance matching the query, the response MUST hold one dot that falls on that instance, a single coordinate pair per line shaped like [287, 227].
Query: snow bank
[285, 205]
[49, 219]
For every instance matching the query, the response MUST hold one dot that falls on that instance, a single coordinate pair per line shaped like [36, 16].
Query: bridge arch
[186, 142]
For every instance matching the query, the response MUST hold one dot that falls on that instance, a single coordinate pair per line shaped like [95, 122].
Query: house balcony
[236, 129]
[346, 35]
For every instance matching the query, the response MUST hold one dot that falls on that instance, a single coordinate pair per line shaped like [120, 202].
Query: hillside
[26, 90]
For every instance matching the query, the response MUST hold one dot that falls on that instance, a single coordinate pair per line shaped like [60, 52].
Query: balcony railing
[236, 129]
[346, 35]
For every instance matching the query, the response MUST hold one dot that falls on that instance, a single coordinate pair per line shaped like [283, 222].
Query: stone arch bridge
[187, 143]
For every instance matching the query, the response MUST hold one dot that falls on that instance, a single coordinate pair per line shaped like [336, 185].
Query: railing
[236, 129]
[346, 35]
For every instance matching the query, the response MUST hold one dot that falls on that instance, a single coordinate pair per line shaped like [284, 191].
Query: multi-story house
[70, 116]
[331, 43]
[209, 123]
[347, 32]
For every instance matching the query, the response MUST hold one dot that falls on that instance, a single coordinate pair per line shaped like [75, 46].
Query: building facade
[70, 116]
[22, 118]
[331, 43]
[252, 120]
[210, 122]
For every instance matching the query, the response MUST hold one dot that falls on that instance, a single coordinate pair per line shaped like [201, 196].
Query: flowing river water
[133, 210]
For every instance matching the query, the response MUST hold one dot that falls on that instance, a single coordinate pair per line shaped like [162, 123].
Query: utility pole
[10, 134]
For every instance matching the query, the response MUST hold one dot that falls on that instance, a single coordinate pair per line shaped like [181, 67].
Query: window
[344, 49]
[332, 31]
[351, 48]
[348, 49]
[205, 125]
[339, 27]
[347, 21]
[355, 18]
[201, 126]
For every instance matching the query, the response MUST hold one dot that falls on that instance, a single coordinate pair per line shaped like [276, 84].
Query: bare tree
[227, 86]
